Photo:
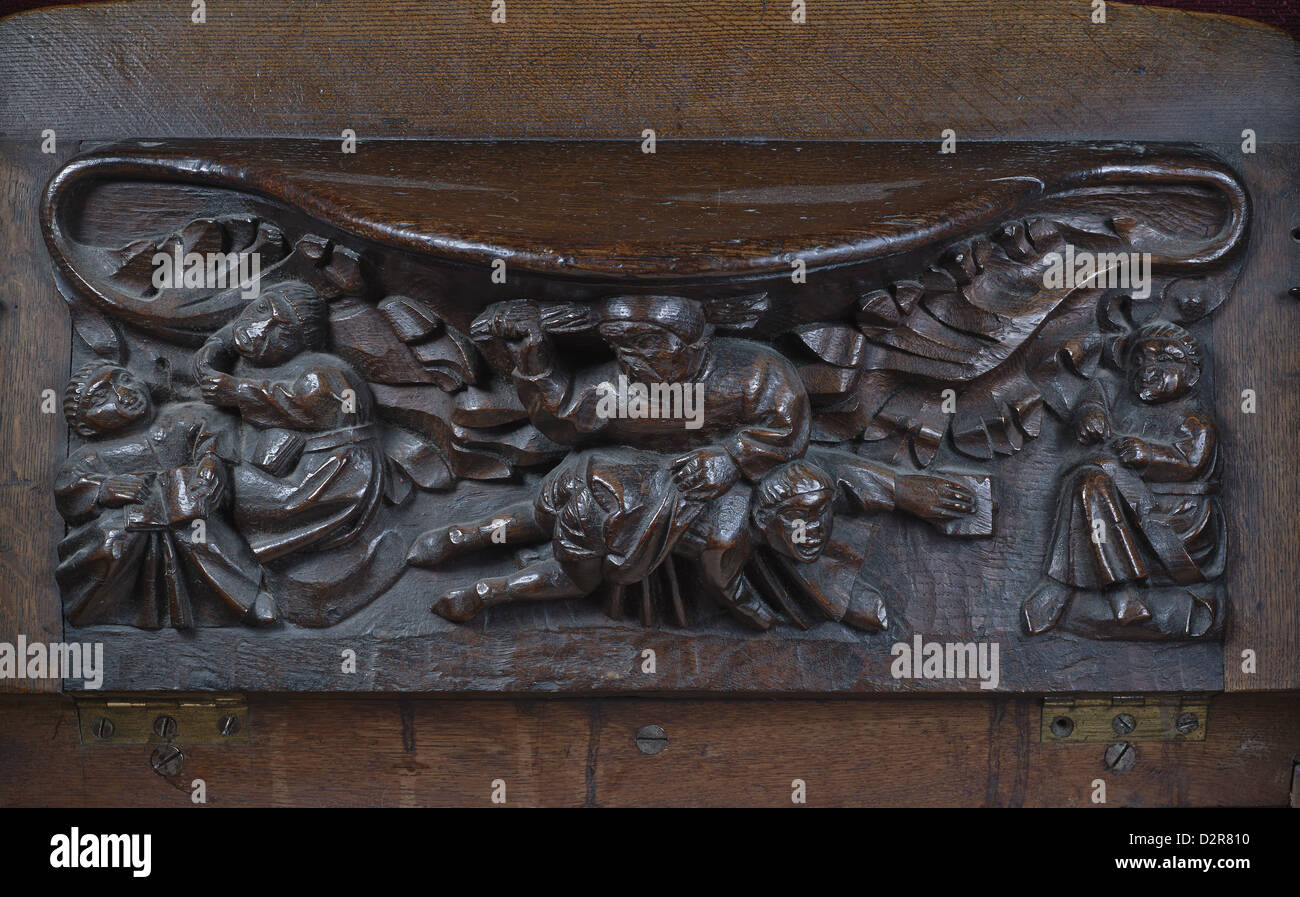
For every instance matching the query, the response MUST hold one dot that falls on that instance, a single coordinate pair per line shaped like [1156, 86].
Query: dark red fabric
[1284, 14]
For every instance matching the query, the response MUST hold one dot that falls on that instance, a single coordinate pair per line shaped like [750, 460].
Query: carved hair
[1163, 330]
[309, 308]
[77, 392]
[794, 478]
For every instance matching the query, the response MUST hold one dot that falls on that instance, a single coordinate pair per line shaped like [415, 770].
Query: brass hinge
[171, 719]
[1082, 719]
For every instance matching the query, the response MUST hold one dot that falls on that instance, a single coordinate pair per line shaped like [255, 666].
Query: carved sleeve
[560, 403]
[283, 403]
[1187, 457]
[781, 422]
[76, 490]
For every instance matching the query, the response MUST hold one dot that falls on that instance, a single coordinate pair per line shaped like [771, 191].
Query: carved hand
[210, 479]
[1092, 426]
[219, 389]
[933, 498]
[1133, 452]
[705, 473]
[509, 321]
[124, 489]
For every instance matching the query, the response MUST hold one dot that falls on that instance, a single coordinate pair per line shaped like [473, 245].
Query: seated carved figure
[614, 515]
[755, 412]
[317, 474]
[144, 499]
[1147, 515]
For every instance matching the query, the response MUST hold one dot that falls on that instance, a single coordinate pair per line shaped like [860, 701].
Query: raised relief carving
[679, 433]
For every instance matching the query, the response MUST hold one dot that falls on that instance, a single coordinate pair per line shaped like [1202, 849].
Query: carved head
[792, 507]
[103, 397]
[657, 339]
[286, 319]
[1164, 362]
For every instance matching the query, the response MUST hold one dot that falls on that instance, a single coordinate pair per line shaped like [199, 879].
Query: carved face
[800, 526]
[114, 399]
[1160, 371]
[648, 353]
[267, 332]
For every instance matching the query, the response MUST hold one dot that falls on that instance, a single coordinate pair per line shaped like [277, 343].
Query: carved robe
[755, 407]
[1170, 508]
[146, 564]
[317, 474]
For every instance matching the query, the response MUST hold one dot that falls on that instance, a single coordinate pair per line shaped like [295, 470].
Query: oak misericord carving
[736, 408]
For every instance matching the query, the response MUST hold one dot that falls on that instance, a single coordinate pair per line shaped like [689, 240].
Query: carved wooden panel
[792, 416]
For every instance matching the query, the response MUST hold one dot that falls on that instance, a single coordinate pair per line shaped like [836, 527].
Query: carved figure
[316, 477]
[145, 500]
[1147, 513]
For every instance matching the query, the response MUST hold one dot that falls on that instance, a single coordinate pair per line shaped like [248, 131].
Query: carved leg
[223, 567]
[546, 580]
[742, 600]
[512, 525]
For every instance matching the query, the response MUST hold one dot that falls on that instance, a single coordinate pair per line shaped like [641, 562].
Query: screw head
[165, 727]
[1120, 757]
[167, 760]
[1186, 723]
[1062, 726]
[651, 739]
[228, 725]
[1123, 724]
[103, 727]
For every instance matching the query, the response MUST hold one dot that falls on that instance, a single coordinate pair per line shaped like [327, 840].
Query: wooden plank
[890, 69]
[332, 751]
[1256, 348]
[313, 751]
[34, 332]
[949, 752]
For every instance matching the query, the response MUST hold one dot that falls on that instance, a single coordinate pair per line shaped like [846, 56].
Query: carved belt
[342, 436]
[1184, 488]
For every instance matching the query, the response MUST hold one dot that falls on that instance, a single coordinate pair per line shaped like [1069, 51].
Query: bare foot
[462, 604]
[437, 545]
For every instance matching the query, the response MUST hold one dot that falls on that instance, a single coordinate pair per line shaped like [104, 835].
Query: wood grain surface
[36, 350]
[891, 70]
[397, 751]
[1255, 348]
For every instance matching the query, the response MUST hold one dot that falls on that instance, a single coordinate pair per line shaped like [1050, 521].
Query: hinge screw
[103, 727]
[228, 725]
[164, 727]
[1120, 757]
[167, 760]
[651, 739]
[1123, 724]
[1186, 722]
